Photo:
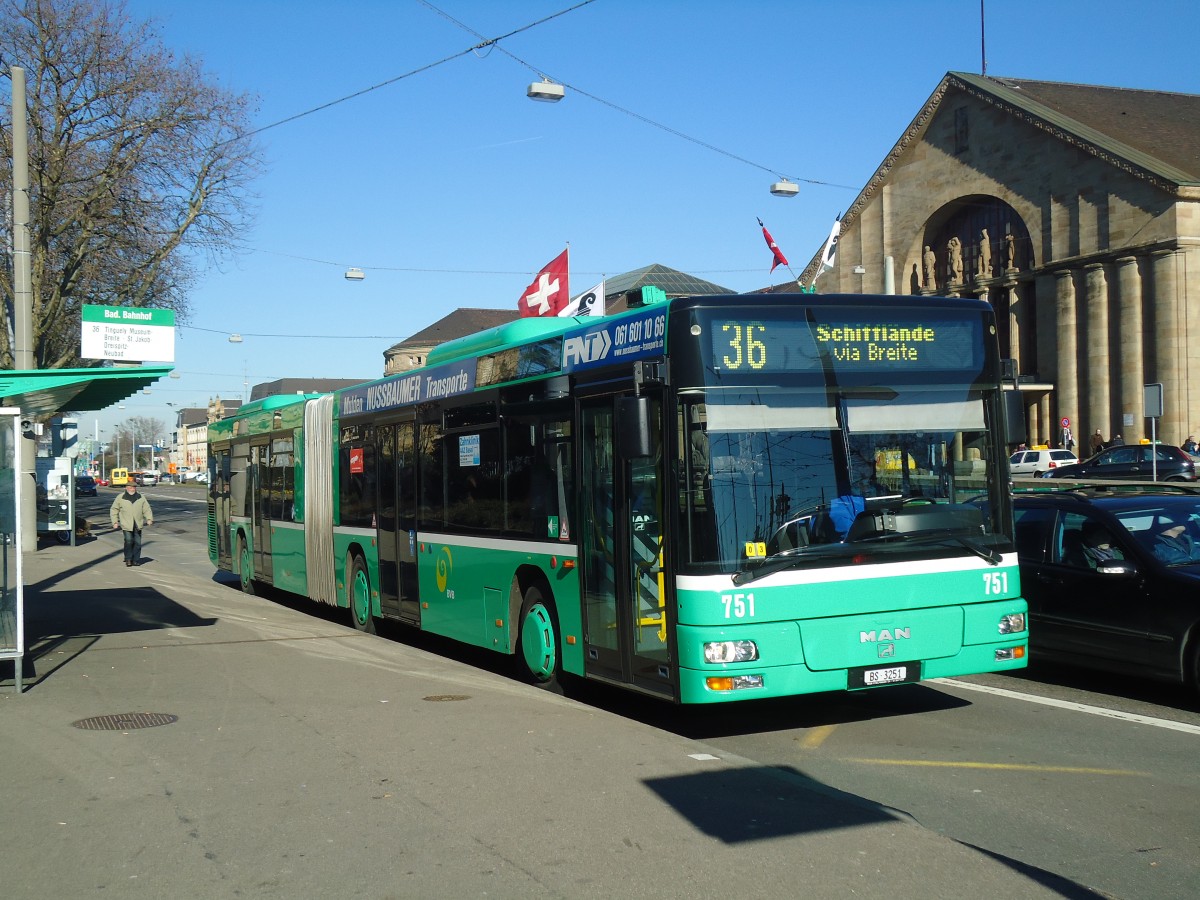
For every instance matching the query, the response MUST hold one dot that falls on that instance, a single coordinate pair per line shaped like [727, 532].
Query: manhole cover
[125, 721]
[445, 698]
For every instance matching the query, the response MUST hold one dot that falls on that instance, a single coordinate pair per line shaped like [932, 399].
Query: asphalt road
[1087, 776]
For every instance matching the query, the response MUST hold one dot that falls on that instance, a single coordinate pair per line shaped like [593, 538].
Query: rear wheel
[1193, 674]
[245, 566]
[358, 592]
[538, 651]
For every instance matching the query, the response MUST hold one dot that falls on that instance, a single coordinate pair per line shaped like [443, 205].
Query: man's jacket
[131, 512]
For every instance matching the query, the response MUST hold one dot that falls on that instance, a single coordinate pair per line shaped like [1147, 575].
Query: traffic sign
[1066, 423]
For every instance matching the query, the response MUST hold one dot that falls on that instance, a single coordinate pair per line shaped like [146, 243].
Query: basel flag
[780, 259]
[589, 303]
[549, 292]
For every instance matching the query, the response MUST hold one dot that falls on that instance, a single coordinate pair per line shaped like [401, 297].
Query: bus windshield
[806, 471]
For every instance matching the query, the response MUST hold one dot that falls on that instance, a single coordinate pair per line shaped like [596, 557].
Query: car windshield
[1170, 531]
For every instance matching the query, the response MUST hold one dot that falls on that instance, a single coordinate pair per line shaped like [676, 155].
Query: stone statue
[985, 255]
[929, 268]
[1010, 253]
[955, 260]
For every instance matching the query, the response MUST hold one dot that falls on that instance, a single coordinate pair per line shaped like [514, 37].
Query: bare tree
[137, 169]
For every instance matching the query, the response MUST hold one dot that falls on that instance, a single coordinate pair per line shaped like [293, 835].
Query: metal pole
[23, 356]
[1153, 449]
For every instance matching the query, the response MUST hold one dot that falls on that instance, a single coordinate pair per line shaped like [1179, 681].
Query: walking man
[131, 513]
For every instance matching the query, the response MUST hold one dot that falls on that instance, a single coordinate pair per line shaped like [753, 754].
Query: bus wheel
[538, 652]
[245, 566]
[358, 592]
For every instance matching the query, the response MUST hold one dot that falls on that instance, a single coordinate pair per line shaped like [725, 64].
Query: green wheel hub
[360, 597]
[538, 642]
[245, 566]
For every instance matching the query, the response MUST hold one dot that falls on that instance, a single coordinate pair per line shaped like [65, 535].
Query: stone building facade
[1075, 211]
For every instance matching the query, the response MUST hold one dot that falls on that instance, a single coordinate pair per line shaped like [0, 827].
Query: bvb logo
[445, 565]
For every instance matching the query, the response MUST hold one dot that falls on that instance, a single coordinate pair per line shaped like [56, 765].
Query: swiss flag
[549, 292]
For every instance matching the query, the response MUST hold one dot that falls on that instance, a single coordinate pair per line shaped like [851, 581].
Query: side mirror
[1014, 417]
[635, 436]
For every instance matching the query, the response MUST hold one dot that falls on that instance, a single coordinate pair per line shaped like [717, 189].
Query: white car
[1035, 462]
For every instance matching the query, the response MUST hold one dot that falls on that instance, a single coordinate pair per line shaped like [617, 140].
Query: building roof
[1157, 130]
[673, 282]
[467, 320]
[298, 386]
[191, 416]
[460, 323]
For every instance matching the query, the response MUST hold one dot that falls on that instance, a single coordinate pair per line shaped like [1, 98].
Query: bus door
[621, 548]
[219, 470]
[397, 522]
[260, 510]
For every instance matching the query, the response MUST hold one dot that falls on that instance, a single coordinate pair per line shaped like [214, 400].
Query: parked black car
[85, 486]
[1112, 578]
[1138, 461]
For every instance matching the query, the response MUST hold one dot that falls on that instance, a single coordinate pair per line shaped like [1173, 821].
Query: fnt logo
[588, 348]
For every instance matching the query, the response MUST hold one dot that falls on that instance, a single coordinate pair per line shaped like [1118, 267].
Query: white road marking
[1074, 707]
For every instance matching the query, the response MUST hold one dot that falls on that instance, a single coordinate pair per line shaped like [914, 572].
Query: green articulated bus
[704, 499]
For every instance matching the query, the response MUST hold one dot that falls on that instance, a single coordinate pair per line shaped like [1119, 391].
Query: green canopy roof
[47, 392]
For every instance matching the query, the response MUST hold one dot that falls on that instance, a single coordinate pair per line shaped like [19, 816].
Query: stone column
[1067, 375]
[1168, 338]
[1015, 312]
[1133, 363]
[1099, 405]
[1045, 423]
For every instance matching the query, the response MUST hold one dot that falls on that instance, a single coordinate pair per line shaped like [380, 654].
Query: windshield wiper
[782, 560]
[938, 536]
[788, 558]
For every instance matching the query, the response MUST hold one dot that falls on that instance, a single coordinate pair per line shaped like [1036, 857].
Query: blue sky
[450, 188]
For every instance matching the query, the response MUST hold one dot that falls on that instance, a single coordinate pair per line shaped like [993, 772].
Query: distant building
[190, 444]
[412, 352]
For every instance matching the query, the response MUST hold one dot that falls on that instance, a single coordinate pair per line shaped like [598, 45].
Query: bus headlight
[730, 651]
[1012, 623]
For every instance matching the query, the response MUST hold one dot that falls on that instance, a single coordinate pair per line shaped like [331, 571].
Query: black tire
[1192, 675]
[358, 596]
[538, 646]
[246, 567]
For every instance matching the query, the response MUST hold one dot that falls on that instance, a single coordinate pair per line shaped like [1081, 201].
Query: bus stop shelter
[28, 396]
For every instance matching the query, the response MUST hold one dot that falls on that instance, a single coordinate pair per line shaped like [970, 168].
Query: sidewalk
[298, 758]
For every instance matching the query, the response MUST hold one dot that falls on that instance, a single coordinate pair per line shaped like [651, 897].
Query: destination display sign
[758, 343]
[128, 334]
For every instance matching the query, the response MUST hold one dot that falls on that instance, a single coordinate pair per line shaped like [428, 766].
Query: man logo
[884, 634]
[885, 650]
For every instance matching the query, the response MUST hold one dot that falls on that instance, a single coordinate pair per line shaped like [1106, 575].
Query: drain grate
[445, 698]
[125, 721]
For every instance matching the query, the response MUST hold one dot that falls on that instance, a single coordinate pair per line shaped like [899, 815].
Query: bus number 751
[738, 606]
